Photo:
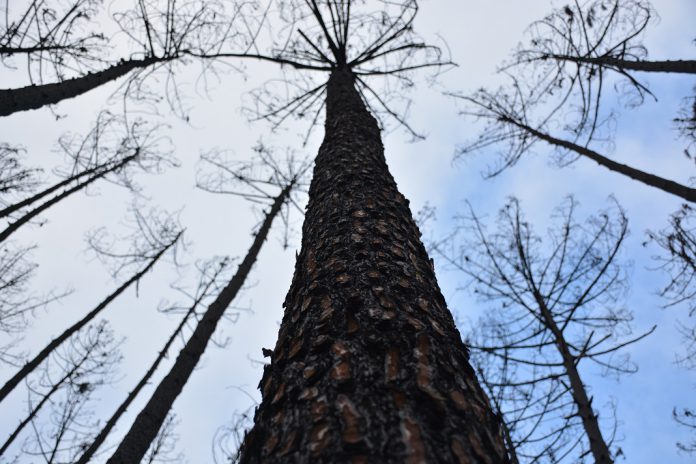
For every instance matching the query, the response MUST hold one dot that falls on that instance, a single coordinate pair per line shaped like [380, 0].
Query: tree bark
[666, 185]
[12, 228]
[35, 96]
[369, 365]
[56, 342]
[665, 66]
[134, 445]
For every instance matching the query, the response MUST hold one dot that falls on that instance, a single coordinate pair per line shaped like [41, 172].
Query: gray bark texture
[369, 366]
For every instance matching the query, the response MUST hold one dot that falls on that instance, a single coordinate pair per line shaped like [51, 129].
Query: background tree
[60, 396]
[559, 80]
[154, 239]
[558, 303]
[157, 34]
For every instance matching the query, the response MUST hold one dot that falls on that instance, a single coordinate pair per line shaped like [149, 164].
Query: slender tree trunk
[111, 423]
[666, 185]
[35, 96]
[12, 228]
[56, 342]
[598, 445]
[148, 422]
[369, 366]
[32, 414]
[664, 66]
[57, 186]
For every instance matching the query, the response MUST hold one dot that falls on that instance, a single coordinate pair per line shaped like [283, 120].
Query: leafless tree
[511, 124]
[154, 236]
[52, 37]
[154, 34]
[58, 398]
[163, 448]
[558, 306]
[211, 273]
[362, 264]
[573, 51]
[149, 421]
[556, 88]
[111, 150]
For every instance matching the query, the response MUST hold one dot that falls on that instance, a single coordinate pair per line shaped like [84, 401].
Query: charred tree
[509, 124]
[150, 256]
[150, 419]
[369, 365]
[91, 176]
[161, 33]
[85, 362]
[558, 88]
[559, 307]
[204, 291]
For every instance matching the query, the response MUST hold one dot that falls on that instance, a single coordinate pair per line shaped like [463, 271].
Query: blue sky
[480, 36]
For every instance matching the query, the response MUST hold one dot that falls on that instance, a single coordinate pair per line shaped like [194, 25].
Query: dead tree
[111, 150]
[512, 125]
[149, 421]
[53, 37]
[152, 241]
[84, 363]
[368, 365]
[160, 34]
[558, 306]
[559, 80]
[61, 431]
[584, 40]
[209, 283]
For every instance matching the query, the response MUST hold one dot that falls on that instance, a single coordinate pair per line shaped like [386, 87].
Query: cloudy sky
[480, 35]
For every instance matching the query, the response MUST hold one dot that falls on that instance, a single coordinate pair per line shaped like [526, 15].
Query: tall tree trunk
[35, 96]
[666, 185]
[111, 423]
[56, 342]
[148, 422]
[57, 186]
[369, 366]
[12, 228]
[590, 422]
[664, 66]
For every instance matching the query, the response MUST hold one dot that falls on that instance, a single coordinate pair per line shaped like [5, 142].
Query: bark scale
[134, 445]
[369, 366]
[35, 96]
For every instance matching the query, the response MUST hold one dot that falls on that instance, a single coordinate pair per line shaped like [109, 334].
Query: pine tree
[368, 366]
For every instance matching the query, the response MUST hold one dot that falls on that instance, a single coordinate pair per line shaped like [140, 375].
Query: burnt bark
[56, 342]
[148, 422]
[369, 365]
[35, 96]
